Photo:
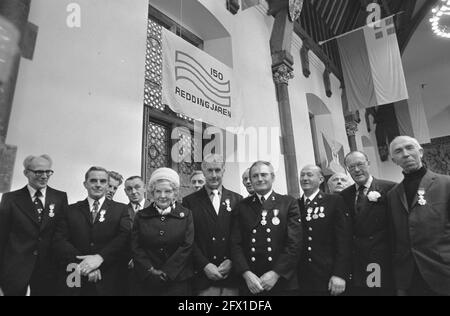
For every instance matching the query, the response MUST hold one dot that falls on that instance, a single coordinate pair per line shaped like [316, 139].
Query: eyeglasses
[40, 173]
[360, 166]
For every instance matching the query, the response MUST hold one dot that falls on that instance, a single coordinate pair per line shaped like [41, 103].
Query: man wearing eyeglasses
[27, 224]
[367, 201]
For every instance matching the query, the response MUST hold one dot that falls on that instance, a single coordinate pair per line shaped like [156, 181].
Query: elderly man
[267, 238]
[326, 260]
[95, 234]
[115, 181]
[367, 200]
[246, 181]
[197, 180]
[339, 182]
[27, 224]
[135, 191]
[213, 209]
[420, 210]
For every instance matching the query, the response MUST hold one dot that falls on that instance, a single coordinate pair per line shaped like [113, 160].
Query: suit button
[270, 259]
[215, 258]
[161, 233]
[269, 249]
[310, 229]
[225, 258]
[309, 249]
[163, 219]
[309, 260]
[254, 231]
[223, 239]
[269, 239]
[35, 253]
[253, 240]
[92, 244]
[253, 259]
[253, 250]
[310, 238]
[269, 231]
[214, 239]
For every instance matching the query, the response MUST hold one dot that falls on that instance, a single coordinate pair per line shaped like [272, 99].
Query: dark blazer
[76, 235]
[25, 244]
[421, 234]
[328, 241]
[371, 241]
[164, 243]
[212, 235]
[262, 248]
[132, 212]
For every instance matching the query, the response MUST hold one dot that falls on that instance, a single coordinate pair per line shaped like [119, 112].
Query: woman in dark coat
[162, 239]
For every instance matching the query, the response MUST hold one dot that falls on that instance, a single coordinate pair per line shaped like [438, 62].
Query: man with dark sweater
[420, 208]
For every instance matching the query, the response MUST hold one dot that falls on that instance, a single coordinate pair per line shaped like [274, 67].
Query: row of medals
[318, 212]
[275, 220]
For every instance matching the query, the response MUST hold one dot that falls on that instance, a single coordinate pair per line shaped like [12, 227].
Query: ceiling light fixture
[443, 9]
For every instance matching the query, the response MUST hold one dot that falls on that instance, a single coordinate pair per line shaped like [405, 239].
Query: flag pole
[359, 28]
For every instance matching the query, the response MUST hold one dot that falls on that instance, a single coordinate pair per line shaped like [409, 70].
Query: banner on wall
[372, 66]
[335, 156]
[197, 85]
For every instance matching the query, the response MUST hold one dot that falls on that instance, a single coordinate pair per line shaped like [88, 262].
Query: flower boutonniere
[374, 196]
[422, 200]
[51, 212]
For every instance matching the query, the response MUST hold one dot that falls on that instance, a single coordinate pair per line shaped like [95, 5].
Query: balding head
[339, 182]
[407, 153]
[311, 177]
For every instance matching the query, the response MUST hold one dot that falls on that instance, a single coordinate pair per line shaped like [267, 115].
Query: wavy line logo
[189, 69]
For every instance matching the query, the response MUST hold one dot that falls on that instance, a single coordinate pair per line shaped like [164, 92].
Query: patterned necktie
[263, 199]
[216, 201]
[39, 207]
[307, 203]
[95, 210]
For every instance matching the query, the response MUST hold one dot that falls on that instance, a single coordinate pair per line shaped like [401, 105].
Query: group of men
[373, 238]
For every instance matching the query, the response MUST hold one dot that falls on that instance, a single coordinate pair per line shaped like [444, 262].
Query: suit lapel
[26, 205]
[85, 210]
[206, 201]
[402, 197]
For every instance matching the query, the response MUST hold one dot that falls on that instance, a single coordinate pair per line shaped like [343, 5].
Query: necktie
[137, 207]
[360, 199]
[39, 207]
[95, 210]
[263, 199]
[216, 201]
[307, 203]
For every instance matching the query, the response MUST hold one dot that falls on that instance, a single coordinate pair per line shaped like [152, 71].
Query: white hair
[407, 138]
[29, 160]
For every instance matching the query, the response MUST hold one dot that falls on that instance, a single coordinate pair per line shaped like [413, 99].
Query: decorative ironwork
[157, 139]
[437, 155]
[295, 9]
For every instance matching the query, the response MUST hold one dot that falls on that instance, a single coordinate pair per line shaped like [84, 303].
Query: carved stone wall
[437, 155]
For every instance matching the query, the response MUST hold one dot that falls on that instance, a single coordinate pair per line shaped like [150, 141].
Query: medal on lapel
[264, 220]
[322, 212]
[422, 200]
[309, 216]
[102, 216]
[316, 211]
[228, 205]
[276, 220]
[51, 213]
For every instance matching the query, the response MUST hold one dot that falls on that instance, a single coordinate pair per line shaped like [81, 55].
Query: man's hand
[158, 275]
[212, 272]
[269, 280]
[225, 268]
[336, 286]
[95, 276]
[253, 283]
[89, 264]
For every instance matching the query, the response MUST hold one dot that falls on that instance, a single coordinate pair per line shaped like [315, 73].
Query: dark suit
[163, 243]
[212, 235]
[262, 248]
[26, 257]
[132, 211]
[76, 235]
[421, 234]
[371, 242]
[327, 246]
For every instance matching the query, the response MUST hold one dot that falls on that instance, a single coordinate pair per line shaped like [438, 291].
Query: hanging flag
[197, 85]
[247, 4]
[372, 66]
[335, 156]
